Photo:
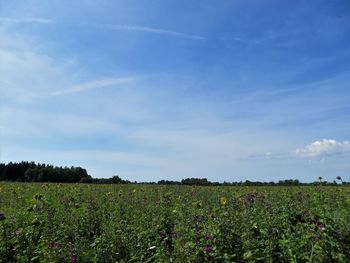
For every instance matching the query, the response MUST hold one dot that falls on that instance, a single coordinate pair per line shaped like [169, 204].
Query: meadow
[47, 222]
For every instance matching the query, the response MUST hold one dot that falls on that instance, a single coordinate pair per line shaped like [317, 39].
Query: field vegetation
[48, 222]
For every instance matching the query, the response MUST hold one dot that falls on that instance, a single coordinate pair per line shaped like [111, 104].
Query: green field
[147, 223]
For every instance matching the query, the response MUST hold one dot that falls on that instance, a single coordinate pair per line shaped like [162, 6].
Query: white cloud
[151, 30]
[323, 147]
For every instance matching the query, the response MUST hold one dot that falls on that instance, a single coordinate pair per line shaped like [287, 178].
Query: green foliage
[32, 172]
[151, 223]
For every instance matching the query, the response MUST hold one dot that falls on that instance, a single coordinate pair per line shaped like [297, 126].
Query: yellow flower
[37, 197]
[109, 194]
[223, 200]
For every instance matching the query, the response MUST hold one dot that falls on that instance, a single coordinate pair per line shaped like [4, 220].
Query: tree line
[33, 172]
[205, 182]
[36, 172]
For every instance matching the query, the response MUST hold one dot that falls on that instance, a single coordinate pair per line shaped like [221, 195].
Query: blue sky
[150, 90]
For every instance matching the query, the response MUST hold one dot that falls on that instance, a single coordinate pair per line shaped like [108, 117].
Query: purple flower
[207, 249]
[338, 178]
[207, 237]
[321, 227]
[73, 259]
[2, 216]
[318, 226]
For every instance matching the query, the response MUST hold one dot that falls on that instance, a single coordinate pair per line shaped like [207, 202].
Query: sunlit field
[145, 223]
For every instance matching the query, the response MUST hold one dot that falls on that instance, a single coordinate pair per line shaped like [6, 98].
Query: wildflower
[2, 216]
[318, 225]
[54, 245]
[37, 197]
[321, 227]
[207, 237]
[223, 200]
[73, 259]
[109, 194]
[339, 178]
[207, 249]
[250, 198]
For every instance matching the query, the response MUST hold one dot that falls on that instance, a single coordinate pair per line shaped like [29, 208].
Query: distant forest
[36, 172]
[32, 172]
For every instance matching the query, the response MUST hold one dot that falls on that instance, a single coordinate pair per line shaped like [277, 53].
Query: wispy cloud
[323, 147]
[34, 124]
[245, 40]
[96, 84]
[27, 74]
[34, 20]
[265, 156]
[151, 30]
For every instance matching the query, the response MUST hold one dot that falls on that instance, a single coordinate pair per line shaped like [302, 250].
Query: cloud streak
[96, 84]
[33, 20]
[151, 30]
[119, 27]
